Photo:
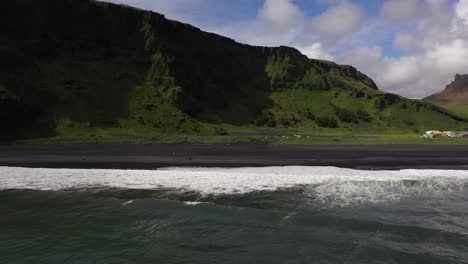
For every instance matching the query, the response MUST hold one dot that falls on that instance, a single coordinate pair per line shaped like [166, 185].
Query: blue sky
[409, 47]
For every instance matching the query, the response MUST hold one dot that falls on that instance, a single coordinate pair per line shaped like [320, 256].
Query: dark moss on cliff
[82, 63]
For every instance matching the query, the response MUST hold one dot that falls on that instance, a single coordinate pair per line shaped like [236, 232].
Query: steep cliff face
[79, 64]
[460, 83]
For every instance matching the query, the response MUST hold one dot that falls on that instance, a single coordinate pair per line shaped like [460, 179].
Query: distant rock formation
[455, 93]
[460, 83]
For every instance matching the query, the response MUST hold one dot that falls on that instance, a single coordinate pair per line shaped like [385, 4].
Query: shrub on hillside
[221, 132]
[346, 115]
[409, 122]
[288, 120]
[363, 116]
[309, 115]
[267, 120]
[326, 121]
[278, 69]
[313, 80]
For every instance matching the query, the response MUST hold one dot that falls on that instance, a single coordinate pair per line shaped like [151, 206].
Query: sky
[409, 47]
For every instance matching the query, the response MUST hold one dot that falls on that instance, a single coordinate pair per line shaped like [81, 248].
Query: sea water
[243, 215]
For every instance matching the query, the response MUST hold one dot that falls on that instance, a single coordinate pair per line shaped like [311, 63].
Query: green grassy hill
[81, 69]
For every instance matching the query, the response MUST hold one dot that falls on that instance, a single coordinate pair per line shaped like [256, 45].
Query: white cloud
[337, 21]
[461, 10]
[387, 72]
[362, 56]
[278, 22]
[406, 42]
[414, 76]
[316, 51]
[282, 13]
[435, 48]
[405, 70]
[450, 57]
[403, 9]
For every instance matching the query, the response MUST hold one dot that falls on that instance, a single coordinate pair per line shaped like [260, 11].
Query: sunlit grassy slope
[79, 70]
[460, 109]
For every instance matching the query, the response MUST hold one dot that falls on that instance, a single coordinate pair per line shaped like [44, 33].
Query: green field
[228, 134]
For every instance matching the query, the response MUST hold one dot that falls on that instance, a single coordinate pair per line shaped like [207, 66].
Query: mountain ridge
[86, 67]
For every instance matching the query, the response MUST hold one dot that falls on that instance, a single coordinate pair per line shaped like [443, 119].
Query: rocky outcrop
[454, 93]
[460, 83]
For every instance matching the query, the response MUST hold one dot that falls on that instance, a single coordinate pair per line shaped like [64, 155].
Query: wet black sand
[151, 156]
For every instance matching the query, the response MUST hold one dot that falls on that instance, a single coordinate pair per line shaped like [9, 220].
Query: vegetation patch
[126, 73]
[326, 121]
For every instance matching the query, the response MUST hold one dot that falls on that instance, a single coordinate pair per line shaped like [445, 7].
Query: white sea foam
[192, 203]
[325, 183]
[128, 202]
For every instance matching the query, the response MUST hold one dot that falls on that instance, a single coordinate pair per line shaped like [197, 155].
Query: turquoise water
[263, 215]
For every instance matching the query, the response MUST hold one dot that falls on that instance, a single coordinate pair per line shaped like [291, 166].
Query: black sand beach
[152, 156]
[271, 215]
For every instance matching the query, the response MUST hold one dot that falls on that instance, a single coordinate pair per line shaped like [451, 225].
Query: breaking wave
[244, 215]
[328, 185]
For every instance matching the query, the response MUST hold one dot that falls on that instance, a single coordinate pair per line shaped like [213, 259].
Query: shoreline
[154, 156]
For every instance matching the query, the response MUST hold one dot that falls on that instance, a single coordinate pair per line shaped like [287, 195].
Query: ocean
[241, 215]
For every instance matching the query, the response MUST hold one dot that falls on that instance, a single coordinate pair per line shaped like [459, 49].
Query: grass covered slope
[81, 69]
